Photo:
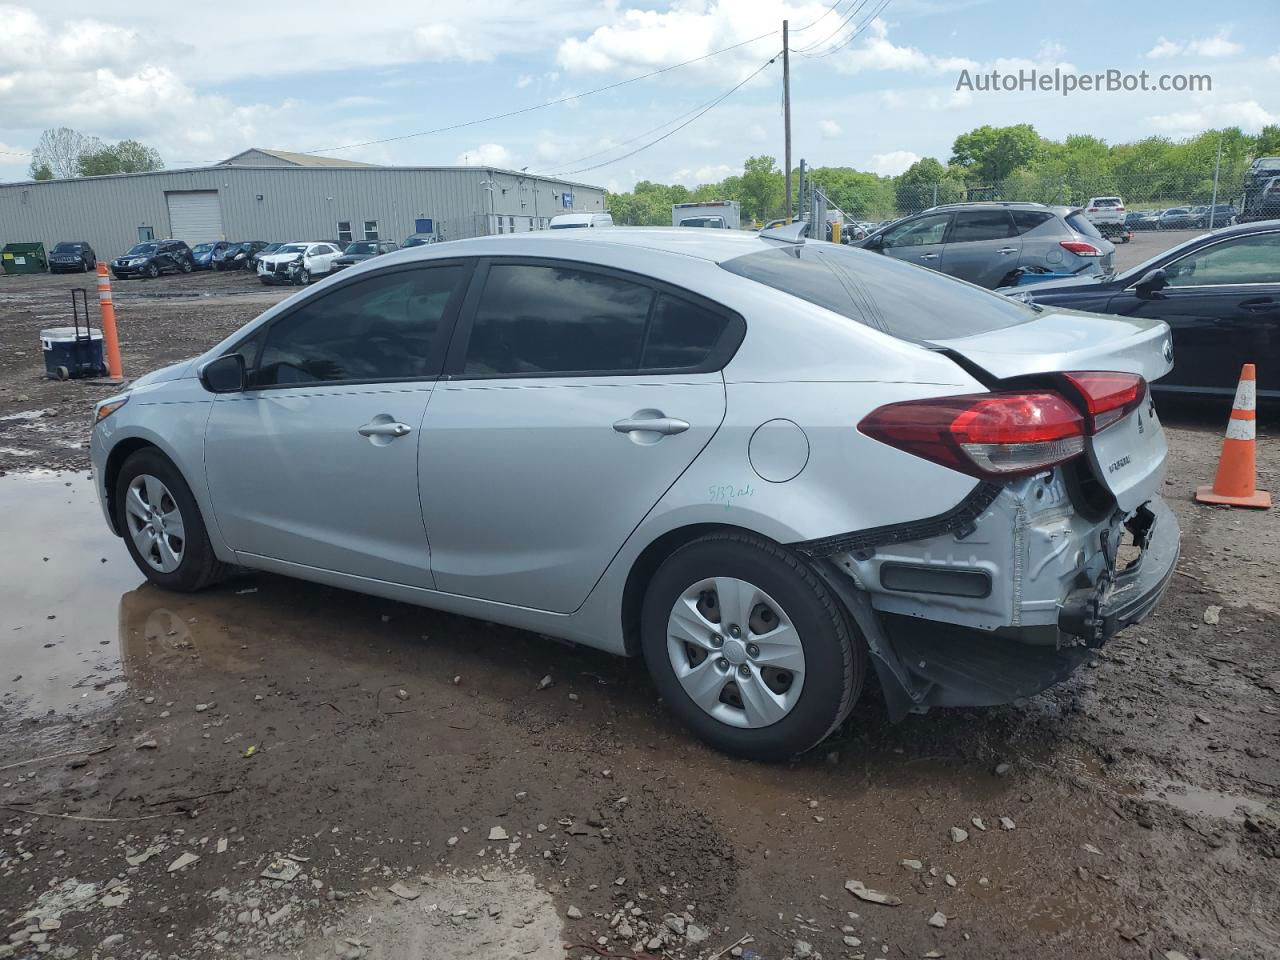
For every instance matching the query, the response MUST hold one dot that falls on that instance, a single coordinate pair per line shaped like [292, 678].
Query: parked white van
[570, 221]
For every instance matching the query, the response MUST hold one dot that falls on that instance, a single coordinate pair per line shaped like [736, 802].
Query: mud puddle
[61, 578]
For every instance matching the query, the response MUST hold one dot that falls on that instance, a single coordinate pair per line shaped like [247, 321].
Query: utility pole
[800, 193]
[786, 108]
[1213, 205]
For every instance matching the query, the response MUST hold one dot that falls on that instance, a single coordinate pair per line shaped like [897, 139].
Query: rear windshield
[202, 248]
[1080, 224]
[568, 226]
[361, 246]
[901, 299]
[1106, 202]
[702, 222]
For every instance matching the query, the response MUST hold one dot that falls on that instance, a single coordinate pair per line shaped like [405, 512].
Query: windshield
[67, 248]
[293, 248]
[200, 249]
[361, 247]
[141, 250]
[892, 296]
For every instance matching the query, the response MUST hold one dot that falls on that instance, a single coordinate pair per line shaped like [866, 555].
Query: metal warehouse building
[273, 195]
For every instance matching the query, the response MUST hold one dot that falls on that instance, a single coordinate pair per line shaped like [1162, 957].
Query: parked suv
[152, 258]
[985, 243]
[74, 256]
[1261, 199]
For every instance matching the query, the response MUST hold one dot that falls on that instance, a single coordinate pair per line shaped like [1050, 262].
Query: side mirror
[1152, 281]
[224, 375]
[875, 242]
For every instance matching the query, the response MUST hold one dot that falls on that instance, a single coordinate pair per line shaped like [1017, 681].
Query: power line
[813, 23]
[846, 18]
[714, 103]
[853, 35]
[545, 104]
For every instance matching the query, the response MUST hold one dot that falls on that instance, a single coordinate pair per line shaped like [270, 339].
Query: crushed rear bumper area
[924, 662]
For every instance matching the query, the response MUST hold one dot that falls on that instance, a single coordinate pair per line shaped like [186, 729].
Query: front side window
[917, 233]
[383, 327]
[1253, 259]
[972, 226]
[548, 320]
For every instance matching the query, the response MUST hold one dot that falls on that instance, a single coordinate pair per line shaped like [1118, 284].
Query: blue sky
[200, 86]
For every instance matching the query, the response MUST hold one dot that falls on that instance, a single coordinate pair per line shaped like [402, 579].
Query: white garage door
[195, 216]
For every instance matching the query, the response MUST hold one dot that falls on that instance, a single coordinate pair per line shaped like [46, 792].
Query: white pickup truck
[717, 214]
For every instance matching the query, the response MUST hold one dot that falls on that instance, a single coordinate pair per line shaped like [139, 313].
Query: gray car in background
[985, 243]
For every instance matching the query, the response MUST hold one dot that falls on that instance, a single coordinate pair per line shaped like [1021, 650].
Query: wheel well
[115, 462]
[646, 565]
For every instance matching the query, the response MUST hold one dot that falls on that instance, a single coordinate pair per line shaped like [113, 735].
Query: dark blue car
[202, 254]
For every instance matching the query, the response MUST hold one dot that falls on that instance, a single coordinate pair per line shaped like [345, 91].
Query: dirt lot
[356, 778]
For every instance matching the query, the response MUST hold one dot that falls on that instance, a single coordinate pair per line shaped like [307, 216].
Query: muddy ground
[346, 746]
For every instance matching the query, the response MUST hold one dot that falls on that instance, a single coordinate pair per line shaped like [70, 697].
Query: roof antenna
[793, 232]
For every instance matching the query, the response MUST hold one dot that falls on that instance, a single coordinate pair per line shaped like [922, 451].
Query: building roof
[246, 157]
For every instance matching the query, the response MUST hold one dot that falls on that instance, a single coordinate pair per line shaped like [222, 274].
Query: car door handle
[928, 256]
[663, 425]
[1007, 250]
[1259, 304]
[392, 429]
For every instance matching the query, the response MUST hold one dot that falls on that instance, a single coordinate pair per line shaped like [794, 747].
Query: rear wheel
[186, 266]
[749, 647]
[162, 526]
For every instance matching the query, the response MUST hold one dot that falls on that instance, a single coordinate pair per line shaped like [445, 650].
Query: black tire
[835, 656]
[304, 277]
[199, 566]
[186, 266]
[63, 373]
[153, 270]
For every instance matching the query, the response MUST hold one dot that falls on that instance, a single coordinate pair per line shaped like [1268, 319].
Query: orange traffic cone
[1235, 483]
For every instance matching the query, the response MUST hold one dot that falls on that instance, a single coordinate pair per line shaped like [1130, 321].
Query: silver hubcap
[735, 652]
[155, 523]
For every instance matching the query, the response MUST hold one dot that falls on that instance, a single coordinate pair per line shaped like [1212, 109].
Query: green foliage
[127, 156]
[39, 171]
[988, 163]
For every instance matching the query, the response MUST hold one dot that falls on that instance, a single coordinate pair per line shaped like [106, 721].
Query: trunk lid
[1059, 340]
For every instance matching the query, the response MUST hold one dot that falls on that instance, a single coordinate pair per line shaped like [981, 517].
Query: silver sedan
[765, 465]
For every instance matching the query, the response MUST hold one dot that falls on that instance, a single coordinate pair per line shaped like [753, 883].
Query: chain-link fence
[1153, 201]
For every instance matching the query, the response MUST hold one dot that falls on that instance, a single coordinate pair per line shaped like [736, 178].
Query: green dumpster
[24, 258]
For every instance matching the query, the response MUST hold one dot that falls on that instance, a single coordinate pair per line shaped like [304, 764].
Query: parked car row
[1183, 218]
[272, 262]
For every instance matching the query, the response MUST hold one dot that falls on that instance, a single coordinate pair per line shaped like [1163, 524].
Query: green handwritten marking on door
[727, 493]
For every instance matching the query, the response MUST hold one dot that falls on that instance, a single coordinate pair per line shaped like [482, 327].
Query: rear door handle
[393, 429]
[663, 425]
[928, 256]
[1258, 304]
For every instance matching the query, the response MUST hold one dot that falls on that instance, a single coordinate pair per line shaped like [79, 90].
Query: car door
[1222, 303]
[917, 241]
[575, 397]
[315, 464]
[981, 246]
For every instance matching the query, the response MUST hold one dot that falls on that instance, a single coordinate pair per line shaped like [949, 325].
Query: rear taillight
[1120, 209]
[1092, 210]
[1108, 397]
[985, 435]
[1080, 248]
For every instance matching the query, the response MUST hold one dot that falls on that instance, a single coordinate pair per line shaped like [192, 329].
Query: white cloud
[830, 129]
[523, 81]
[357, 100]
[893, 163]
[440, 42]
[486, 155]
[875, 51]
[1249, 115]
[757, 134]
[1273, 63]
[1218, 45]
[709, 173]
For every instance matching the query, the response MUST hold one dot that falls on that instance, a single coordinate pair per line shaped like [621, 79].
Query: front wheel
[162, 526]
[304, 277]
[749, 647]
[153, 270]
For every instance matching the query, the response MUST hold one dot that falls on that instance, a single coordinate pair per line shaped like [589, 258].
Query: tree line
[64, 153]
[987, 163]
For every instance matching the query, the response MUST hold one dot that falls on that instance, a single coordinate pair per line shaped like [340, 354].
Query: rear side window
[383, 327]
[544, 319]
[897, 298]
[974, 225]
[1027, 220]
[681, 334]
[1078, 222]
